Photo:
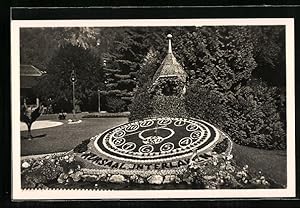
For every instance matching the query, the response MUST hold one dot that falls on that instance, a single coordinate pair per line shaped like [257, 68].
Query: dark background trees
[236, 73]
[57, 85]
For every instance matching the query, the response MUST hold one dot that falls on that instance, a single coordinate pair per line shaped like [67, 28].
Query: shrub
[205, 104]
[221, 172]
[167, 86]
[253, 117]
[106, 115]
[141, 106]
[250, 116]
[115, 104]
[169, 106]
[146, 105]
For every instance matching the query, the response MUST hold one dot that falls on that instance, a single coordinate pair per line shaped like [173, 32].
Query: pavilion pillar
[37, 101]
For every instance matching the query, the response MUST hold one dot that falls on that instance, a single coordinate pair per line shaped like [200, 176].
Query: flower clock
[164, 145]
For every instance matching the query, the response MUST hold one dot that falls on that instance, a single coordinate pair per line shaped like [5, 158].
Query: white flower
[264, 182]
[71, 171]
[25, 165]
[229, 157]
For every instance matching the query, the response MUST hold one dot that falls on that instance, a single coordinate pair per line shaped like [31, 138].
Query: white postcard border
[19, 194]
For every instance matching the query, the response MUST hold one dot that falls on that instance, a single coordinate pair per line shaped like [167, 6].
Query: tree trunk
[29, 131]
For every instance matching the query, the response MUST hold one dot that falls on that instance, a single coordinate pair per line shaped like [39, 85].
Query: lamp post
[99, 109]
[73, 80]
[99, 91]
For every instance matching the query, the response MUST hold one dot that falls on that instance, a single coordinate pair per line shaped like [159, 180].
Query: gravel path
[41, 125]
[65, 137]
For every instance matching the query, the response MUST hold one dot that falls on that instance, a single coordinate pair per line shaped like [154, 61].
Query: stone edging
[43, 155]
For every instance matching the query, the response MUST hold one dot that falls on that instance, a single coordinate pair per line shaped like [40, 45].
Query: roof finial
[169, 36]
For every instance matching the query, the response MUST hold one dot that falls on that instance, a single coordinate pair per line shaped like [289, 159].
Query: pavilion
[29, 78]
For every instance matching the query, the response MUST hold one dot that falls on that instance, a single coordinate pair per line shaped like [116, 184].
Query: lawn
[66, 136]
[271, 163]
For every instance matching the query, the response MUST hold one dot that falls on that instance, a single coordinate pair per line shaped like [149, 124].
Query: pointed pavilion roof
[170, 67]
[29, 70]
[29, 75]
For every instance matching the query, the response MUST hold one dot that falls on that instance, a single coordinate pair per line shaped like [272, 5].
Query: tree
[39, 45]
[253, 116]
[141, 106]
[29, 116]
[269, 53]
[221, 58]
[250, 116]
[123, 63]
[57, 86]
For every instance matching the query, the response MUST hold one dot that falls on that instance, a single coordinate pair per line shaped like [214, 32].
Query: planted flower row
[217, 172]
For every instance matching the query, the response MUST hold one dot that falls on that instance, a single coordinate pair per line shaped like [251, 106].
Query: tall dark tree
[269, 53]
[123, 64]
[219, 57]
[39, 45]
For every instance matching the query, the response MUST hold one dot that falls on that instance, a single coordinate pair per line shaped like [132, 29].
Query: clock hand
[132, 133]
[156, 128]
[144, 130]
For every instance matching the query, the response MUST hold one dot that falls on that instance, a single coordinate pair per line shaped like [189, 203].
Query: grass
[66, 136]
[272, 163]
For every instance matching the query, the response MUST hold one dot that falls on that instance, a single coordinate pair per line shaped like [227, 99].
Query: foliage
[254, 117]
[39, 172]
[221, 172]
[250, 116]
[107, 115]
[88, 72]
[205, 104]
[269, 54]
[82, 147]
[39, 45]
[84, 37]
[169, 106]
[221, 146]
[123, 62]
[221, 60]
[216, 172]
[141, 105]
[219, 57]
[115, 104]
[167, 86]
